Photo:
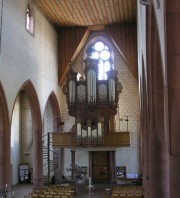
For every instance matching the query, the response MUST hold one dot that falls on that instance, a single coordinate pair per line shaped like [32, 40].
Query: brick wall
[26, 129]
[48, 119]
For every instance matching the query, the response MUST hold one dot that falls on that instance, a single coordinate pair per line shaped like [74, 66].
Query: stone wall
[25, 130]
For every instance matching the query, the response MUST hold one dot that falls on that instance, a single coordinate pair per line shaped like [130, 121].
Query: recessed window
[30, 18]
[101, 52]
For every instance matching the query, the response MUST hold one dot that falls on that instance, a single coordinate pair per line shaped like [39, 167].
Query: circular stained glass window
[99, 46]
[105, 55]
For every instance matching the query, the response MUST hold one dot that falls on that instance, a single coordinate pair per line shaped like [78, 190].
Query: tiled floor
[20, 190]
[100, 190]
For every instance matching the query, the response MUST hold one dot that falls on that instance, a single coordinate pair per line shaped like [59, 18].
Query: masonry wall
[26, 151]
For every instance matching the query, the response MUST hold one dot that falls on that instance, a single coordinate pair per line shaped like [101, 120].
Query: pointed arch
[54, 103]
[55, 109]
[4, 140]
[37, 133]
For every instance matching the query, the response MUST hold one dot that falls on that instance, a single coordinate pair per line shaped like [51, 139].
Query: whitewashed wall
[23, 58]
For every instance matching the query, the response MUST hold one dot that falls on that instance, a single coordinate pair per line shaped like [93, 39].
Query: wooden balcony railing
[111, 139]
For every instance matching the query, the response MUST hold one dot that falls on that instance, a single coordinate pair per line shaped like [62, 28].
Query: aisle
[20, 190]
[98, 191]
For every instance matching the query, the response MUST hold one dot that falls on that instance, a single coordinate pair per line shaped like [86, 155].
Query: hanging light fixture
[148, 2]
[145, 2]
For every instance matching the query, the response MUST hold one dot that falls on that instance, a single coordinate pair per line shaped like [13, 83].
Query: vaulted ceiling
[116, 17]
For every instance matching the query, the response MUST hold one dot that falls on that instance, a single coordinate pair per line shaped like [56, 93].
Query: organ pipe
[91, 86]
[111, 90]
[72, 92]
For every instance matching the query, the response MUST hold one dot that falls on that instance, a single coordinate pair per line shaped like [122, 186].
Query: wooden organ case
[92, 102]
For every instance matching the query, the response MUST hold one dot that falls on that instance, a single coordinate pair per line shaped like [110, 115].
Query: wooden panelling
[117, 139]
[64, 139]
[85, 13]
[88, 12]
[69, 41]
[100, 166]
[125, 37]
[111, 139]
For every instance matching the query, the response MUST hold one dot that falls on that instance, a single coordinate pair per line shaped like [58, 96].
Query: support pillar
[112, 167]
[37, 160]
[73, 173]
[154, 131]
[173, 72]
[90, 164]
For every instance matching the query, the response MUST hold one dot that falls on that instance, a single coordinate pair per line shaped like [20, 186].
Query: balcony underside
[111, 139]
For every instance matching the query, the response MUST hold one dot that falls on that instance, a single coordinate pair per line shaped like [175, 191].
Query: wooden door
[100, 166]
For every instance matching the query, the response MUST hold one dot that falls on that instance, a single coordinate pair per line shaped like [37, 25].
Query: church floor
[100, 190]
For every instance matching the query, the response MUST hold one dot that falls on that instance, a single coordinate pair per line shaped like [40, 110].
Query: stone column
[144, 134]
[90, 164]
[156, 164]
[5, 167]
[112, 167]
[73, 173]
[58, 171]
[173, 74]
[37, 160]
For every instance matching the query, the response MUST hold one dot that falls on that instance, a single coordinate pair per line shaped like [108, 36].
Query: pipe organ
[92, 102]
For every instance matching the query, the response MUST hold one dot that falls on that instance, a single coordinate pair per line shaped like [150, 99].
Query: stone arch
[56, 111]
[4, 141]
[37, 133]
[51, 123]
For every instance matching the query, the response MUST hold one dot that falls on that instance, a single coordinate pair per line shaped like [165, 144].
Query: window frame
[110, 60]
[30, 18]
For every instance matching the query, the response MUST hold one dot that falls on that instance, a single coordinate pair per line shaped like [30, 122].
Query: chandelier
[91, 101]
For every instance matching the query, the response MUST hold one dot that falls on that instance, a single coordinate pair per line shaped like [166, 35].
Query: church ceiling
[118, 17]
[88, 12]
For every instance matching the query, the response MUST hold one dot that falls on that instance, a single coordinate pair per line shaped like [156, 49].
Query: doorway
[100, 166]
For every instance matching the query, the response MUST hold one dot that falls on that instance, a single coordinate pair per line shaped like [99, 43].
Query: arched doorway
[51, 120]
[31, 146]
